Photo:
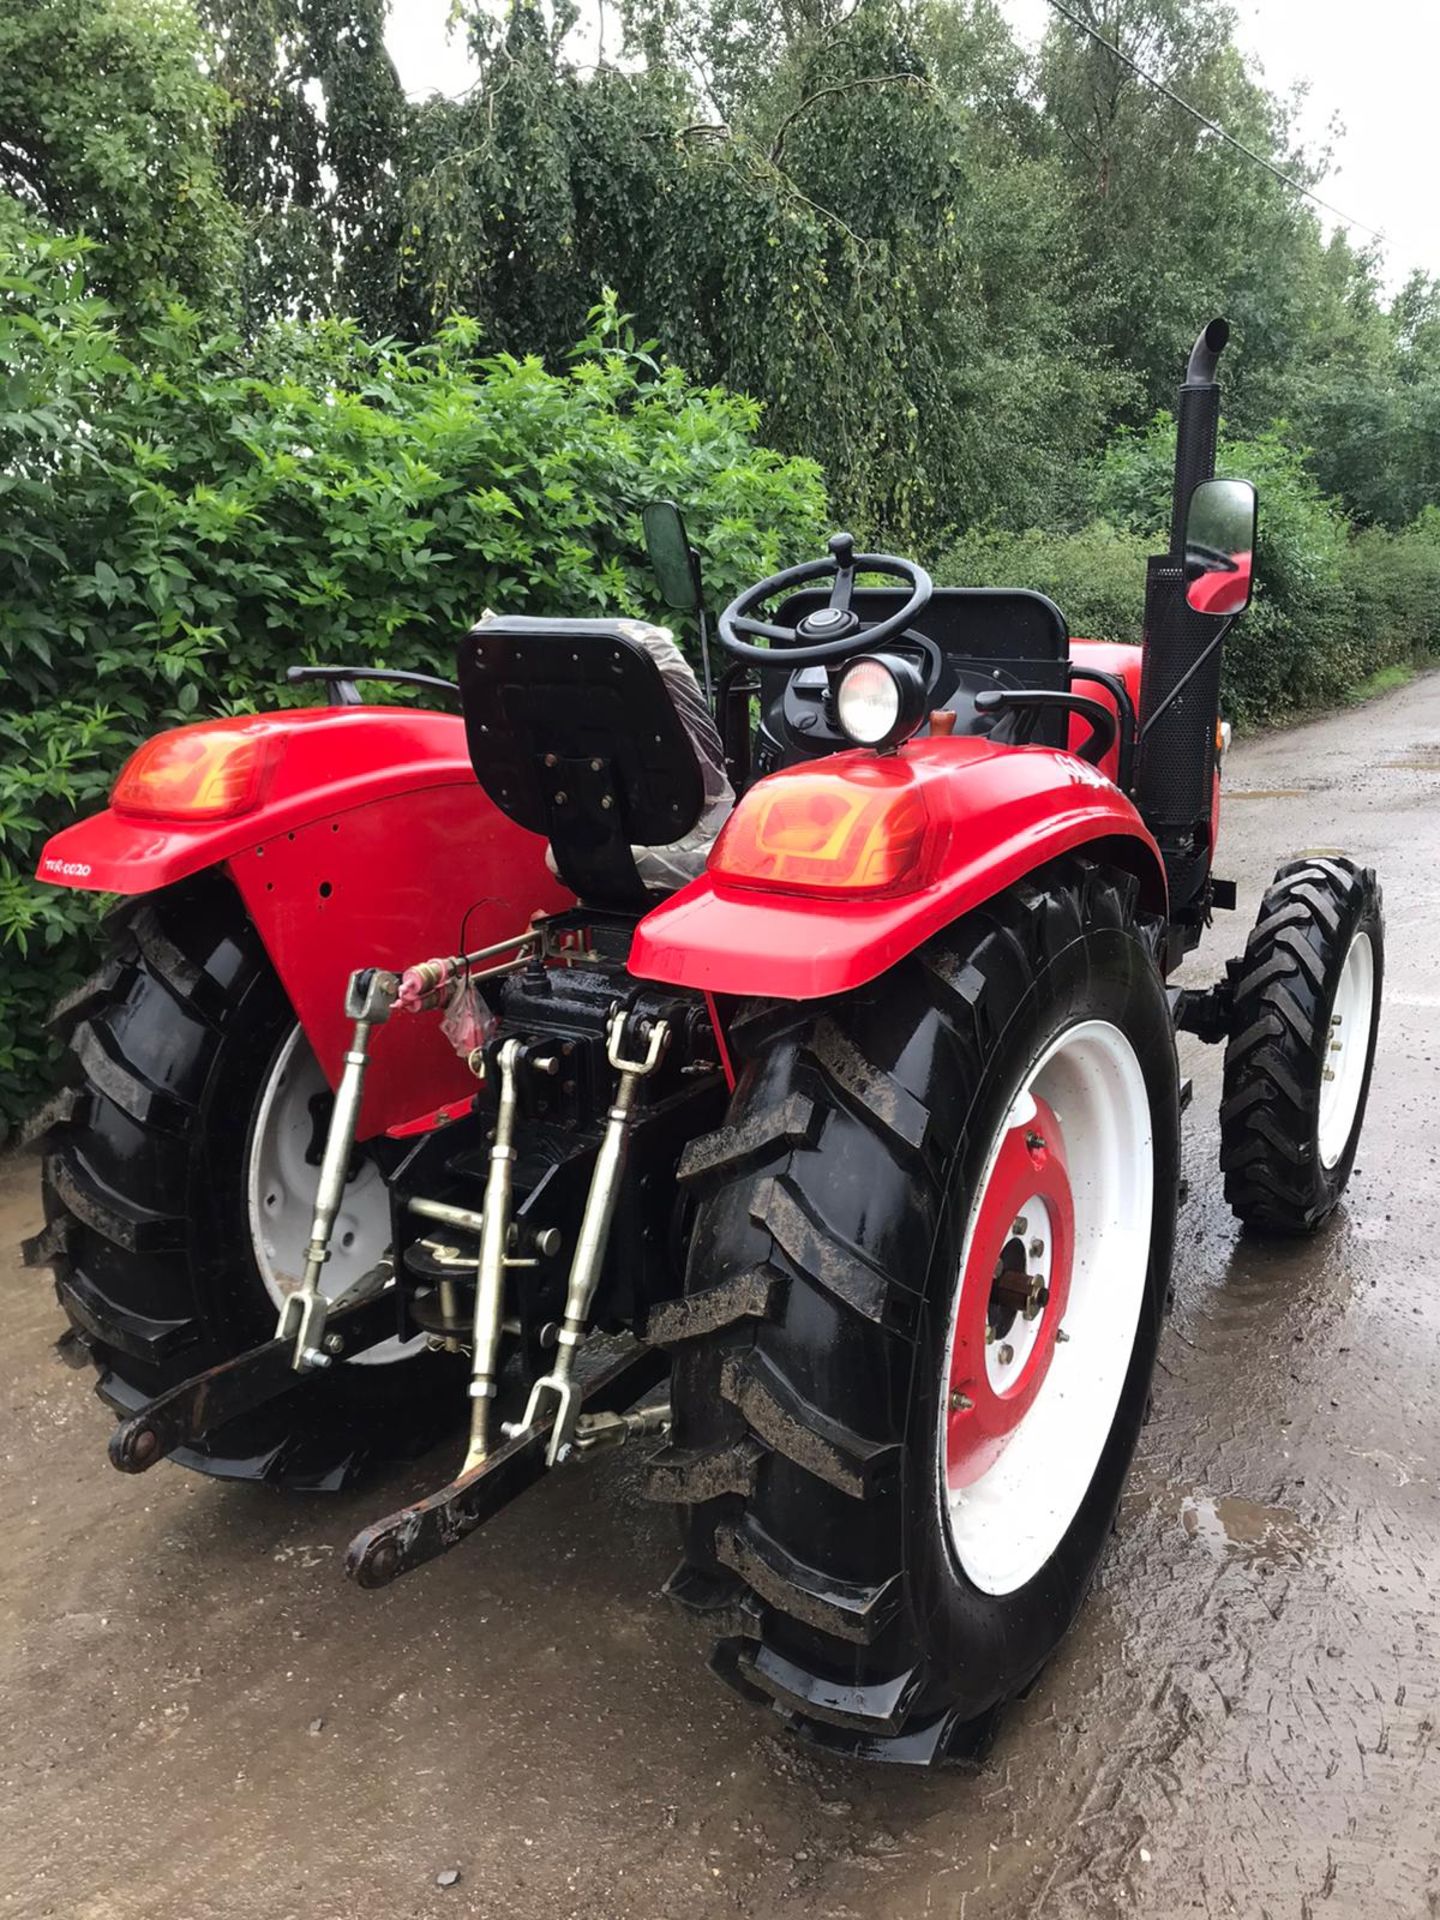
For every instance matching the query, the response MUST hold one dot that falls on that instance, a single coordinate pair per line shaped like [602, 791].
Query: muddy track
[199, 1717]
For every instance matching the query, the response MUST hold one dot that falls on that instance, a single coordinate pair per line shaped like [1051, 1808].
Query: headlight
[879, 701]
[868, 703]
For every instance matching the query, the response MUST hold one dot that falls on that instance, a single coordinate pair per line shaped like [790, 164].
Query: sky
[1373, 66]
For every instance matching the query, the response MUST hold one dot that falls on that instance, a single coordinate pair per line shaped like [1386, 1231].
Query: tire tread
[1279, 1030]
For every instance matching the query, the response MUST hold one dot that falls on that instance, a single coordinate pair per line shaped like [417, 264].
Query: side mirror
[672, 558]
[1220, 547]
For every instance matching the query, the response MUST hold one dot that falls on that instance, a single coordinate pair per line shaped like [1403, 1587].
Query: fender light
[211, 771]
[858, 829]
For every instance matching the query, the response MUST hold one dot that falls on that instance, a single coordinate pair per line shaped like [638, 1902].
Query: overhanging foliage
[182, 521]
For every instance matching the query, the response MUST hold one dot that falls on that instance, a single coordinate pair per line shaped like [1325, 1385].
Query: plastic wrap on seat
[672, 866]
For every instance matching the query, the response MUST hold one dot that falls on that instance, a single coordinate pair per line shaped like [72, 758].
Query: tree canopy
[947, 267]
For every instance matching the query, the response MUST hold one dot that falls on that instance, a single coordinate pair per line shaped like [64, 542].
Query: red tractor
[865, 1137]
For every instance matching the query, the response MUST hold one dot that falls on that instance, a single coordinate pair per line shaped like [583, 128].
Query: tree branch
[777, 146]
[715, 130]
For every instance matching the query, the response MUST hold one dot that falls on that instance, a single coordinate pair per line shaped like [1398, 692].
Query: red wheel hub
[1012, 1295]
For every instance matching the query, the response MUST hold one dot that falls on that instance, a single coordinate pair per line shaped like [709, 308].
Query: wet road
[199, 1717]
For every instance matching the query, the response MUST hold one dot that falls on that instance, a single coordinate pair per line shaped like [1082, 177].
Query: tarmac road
[200, 1717]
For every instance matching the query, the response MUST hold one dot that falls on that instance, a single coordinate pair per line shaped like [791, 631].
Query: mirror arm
[1189, 673]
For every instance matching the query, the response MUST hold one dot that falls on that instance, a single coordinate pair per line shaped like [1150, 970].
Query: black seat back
[573, 735]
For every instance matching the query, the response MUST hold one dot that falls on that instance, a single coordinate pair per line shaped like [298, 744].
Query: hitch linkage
[557, 1385]
[566, 1415]
[369, 998]
[196, 1407]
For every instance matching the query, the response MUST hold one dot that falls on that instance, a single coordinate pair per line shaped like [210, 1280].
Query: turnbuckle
[558, 1384]
[369, 997]
[490, 1270]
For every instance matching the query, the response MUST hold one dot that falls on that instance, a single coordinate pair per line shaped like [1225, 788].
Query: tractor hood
[962, 819]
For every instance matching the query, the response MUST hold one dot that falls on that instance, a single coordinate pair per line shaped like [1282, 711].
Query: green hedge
[182, 516]
[1333, 606]
[1095, 576]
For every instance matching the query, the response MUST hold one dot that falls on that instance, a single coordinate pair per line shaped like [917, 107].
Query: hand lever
[842, 547]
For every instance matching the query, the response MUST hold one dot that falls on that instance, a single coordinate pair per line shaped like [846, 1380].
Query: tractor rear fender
[365, 841]
[762, 919]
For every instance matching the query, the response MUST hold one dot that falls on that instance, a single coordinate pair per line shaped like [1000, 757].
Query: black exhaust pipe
[1197, 421]
[1175, 765]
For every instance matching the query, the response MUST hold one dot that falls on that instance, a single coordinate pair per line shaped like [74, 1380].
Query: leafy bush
[1095, 576]
[1333, 606]
[1395, 582]
[183, 519]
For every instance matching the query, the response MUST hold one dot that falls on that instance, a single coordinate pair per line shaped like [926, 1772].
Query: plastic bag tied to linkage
[467, 1021]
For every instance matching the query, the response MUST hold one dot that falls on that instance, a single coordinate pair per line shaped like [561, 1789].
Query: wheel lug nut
[1017, 1232]
[1006, 1354]
[1060, 1334]
[1037, 1248]
[961, 1402]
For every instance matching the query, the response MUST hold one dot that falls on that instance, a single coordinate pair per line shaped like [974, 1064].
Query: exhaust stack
[1175, 765]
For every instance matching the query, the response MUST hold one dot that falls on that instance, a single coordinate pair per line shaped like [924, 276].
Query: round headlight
[867, 703]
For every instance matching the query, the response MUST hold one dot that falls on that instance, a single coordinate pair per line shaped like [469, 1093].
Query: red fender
[995, 814]
[371, 844]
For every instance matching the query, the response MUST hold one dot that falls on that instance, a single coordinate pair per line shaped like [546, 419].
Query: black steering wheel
[832, 631]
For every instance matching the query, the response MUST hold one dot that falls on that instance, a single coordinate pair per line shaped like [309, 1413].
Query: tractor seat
[594, 733]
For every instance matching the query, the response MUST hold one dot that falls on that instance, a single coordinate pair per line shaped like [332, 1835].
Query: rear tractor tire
[925, 1287]
[1305, 1012]
[180, 1162]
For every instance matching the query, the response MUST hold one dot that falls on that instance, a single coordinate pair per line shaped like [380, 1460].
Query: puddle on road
[1232, 1527]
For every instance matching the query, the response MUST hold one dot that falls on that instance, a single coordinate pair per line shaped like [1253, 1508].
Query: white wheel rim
[280, 1194]
[1347, 1050]
[1007, 1523]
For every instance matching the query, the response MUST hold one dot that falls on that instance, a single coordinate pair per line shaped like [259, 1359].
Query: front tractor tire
[179, 1168]
[1305, 1013]
[927, 1274]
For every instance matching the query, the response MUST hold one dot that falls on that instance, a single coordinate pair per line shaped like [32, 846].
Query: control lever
[1104, 727]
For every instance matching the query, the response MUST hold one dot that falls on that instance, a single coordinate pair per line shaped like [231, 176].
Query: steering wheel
[832, 631]
[1212, 559]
